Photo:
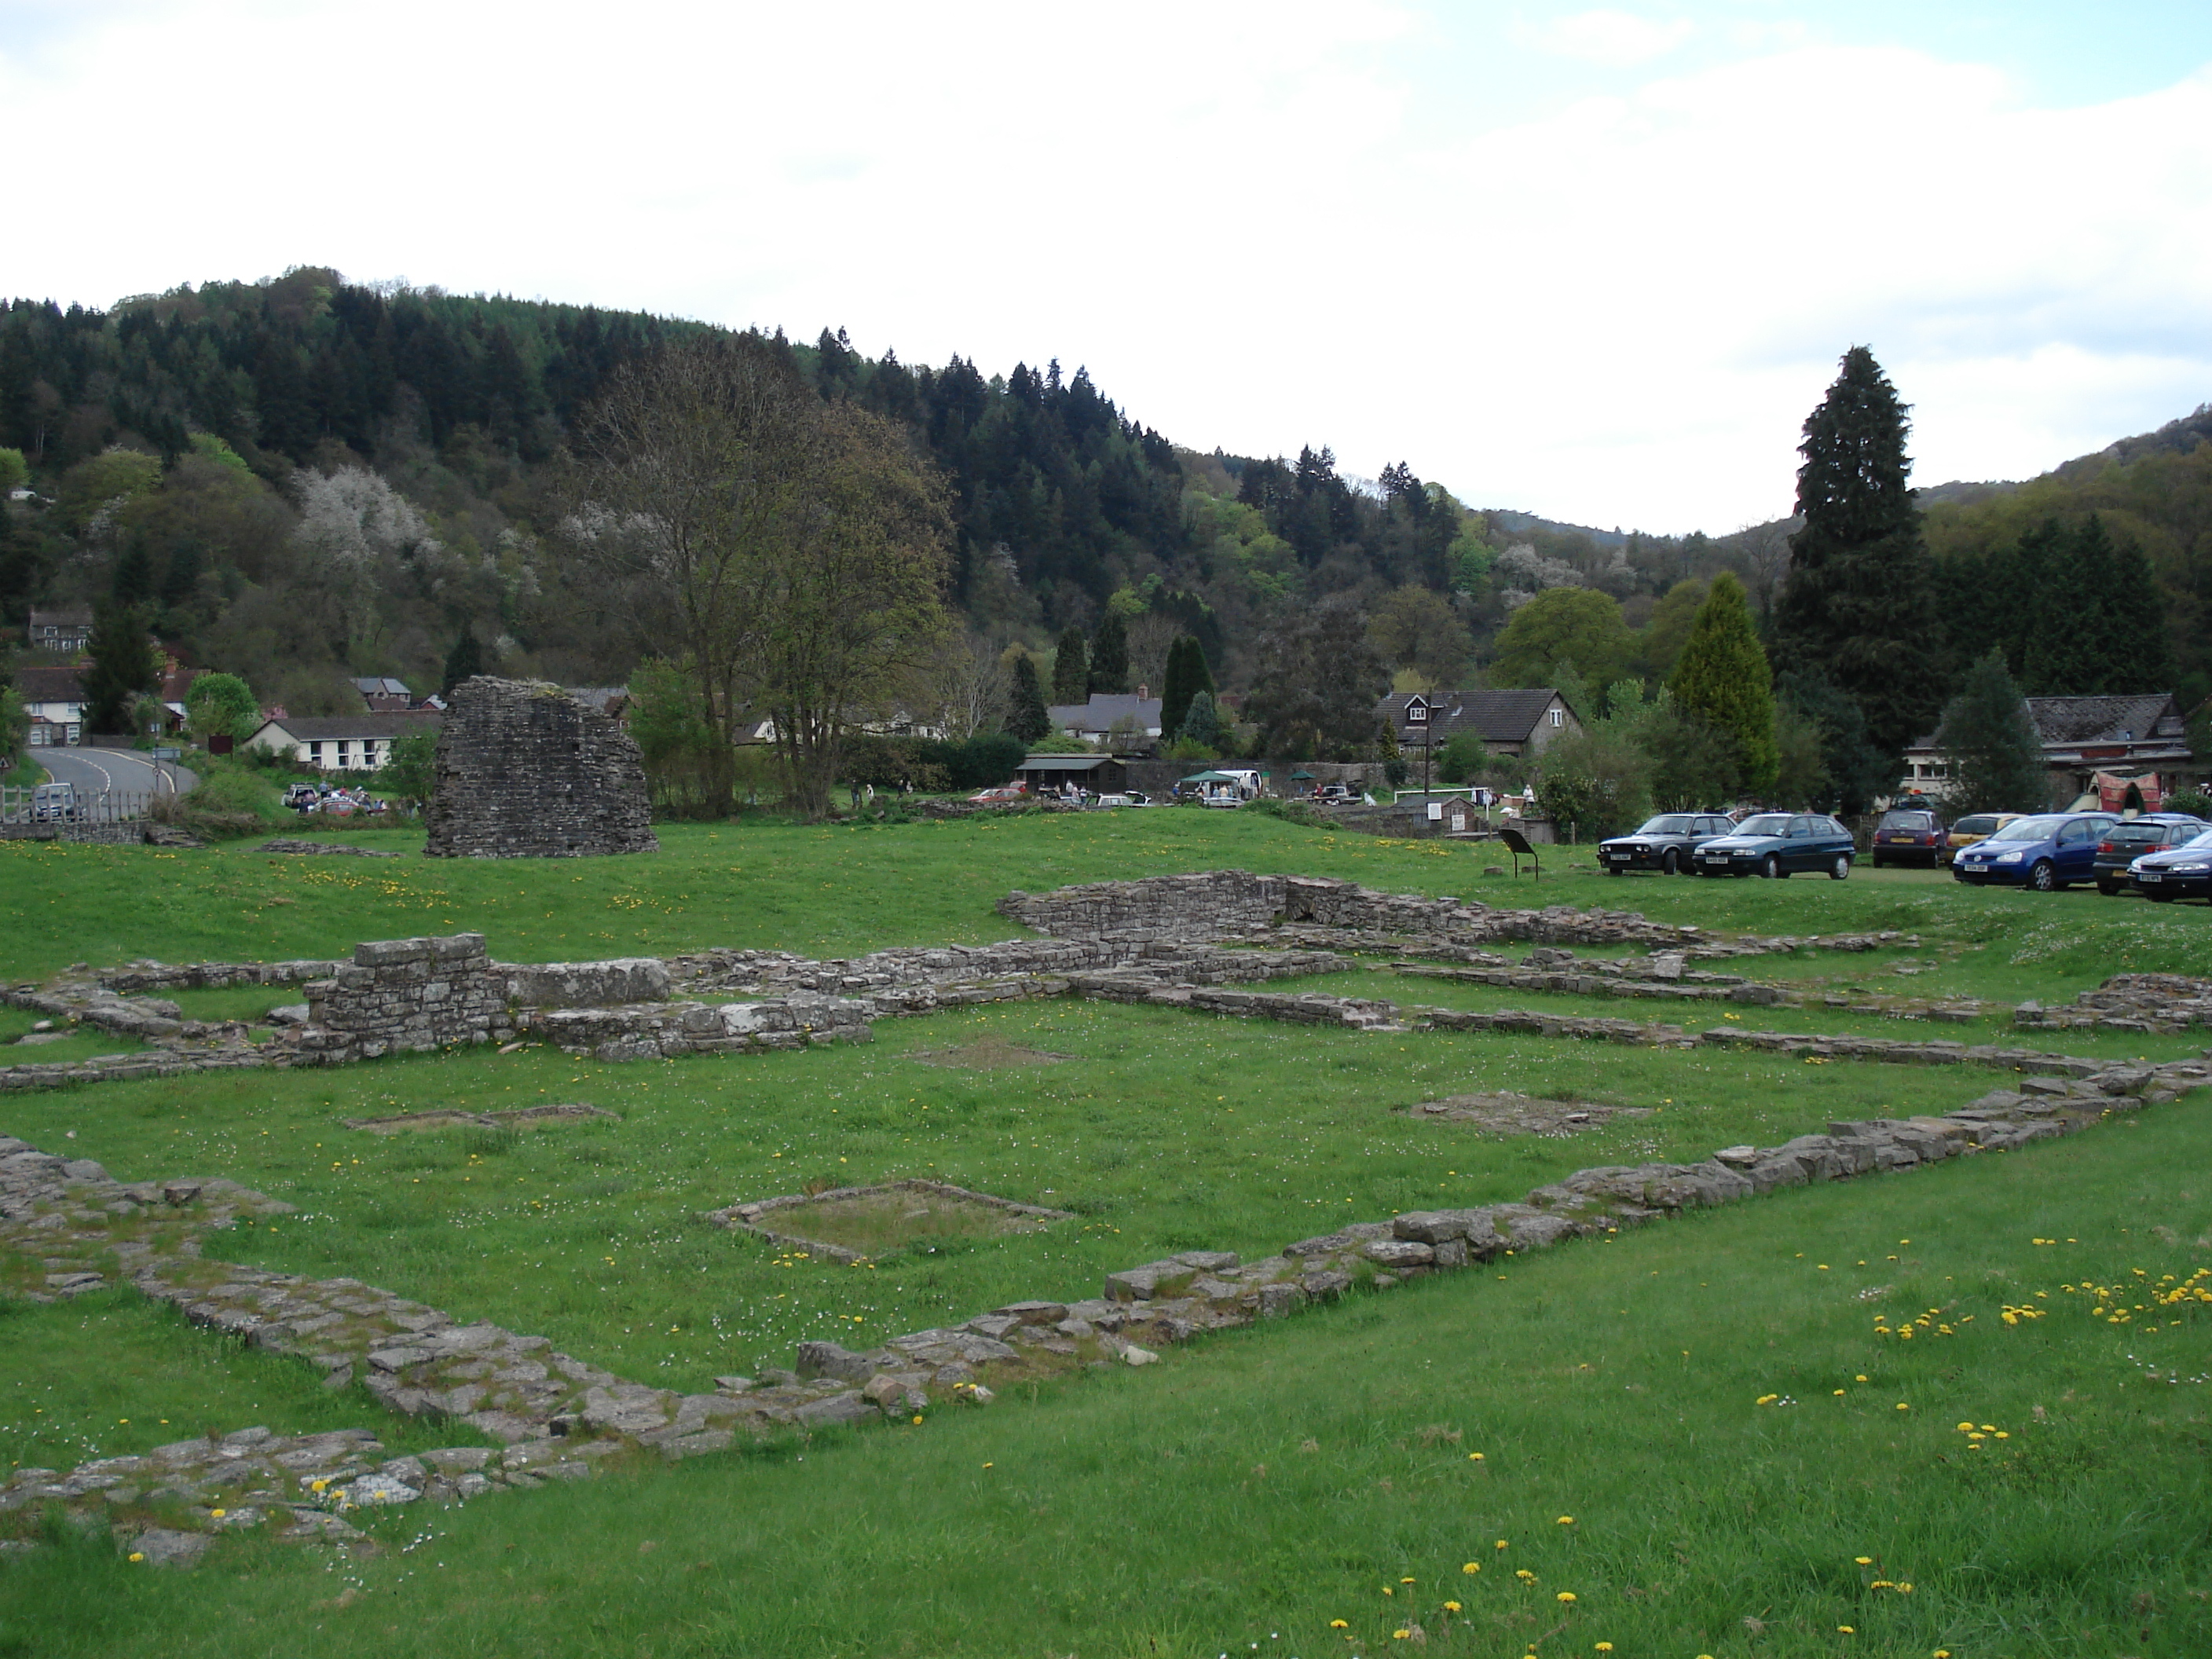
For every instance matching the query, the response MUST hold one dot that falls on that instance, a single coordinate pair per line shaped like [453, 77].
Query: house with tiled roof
[54, 699]
[1523, 724]
[342, 743]
[59, 630]
[1121, 721]
[2137, 735]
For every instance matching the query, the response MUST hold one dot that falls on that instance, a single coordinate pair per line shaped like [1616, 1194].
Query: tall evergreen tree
[1187, 675]
[1722, 678]
[1109, 657]
[1071, 668]
[1201, 721]
[124, 667]
[1859, 600]
[1850, 766]
[464, 661]
[1026, 718]
[1990, 749]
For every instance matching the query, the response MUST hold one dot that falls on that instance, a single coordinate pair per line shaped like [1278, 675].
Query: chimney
[1143, 692]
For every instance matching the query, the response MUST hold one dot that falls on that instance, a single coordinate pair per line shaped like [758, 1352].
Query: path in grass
[1276, 1480]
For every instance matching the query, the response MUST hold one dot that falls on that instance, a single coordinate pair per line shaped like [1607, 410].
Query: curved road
[125, 769]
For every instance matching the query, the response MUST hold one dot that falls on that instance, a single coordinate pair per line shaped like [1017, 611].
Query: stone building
[525, 771]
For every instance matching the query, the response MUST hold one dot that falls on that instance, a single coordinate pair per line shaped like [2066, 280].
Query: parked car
[1004, 794]
[1975, 826]
[2047, 851]
[1777, 845]
[302, 797]
[2132, 838]
[1908, 834]
[1334, 794]
[1662, 844]
[2183, 871]
[54, 803]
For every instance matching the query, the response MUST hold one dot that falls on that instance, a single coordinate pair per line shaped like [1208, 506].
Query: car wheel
[1613, 869]
[1879, 862]
[2044, 877]
[2108, 888]
[1771, 867]
[1668, 863]
[1840, 870]
[2160, 898]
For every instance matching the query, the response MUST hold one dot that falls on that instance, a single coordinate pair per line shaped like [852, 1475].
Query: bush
[2195, 802]
[1291, 812]
[226, 803]
[928, 763]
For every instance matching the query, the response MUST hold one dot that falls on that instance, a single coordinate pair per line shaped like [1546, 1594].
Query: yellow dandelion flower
[1566, 1520]
[218, 1513]
[1474, 1458]
[1564, 1595]
[137, 1555]
[1524, 1575]
[1601, 1647]
[1863, 1560]
[1472, 1567]
[1501, 1543]
[1340, 1624]
[1846, 1630]
[1404, 1580]
[1400, 1635]
[1451, 1607]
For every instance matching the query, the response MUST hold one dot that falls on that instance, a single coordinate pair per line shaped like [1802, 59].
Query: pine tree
[1071, 668]
[1109, 657]
[1188, 675]
[2142, 642]
[124, 668]
[1722, 678]
[1859, 602]
[1026, 718]
[1990, 749]
[1201, 722]
[464, 661]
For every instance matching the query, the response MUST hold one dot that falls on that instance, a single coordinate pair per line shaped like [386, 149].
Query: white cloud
[1606, 36]
[1256, 224]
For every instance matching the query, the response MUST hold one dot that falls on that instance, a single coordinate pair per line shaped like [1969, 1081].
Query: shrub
[228, 802]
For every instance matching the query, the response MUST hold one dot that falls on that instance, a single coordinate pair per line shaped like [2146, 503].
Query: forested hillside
[303, 479]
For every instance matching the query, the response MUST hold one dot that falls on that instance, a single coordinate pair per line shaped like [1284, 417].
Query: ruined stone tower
[524, 771]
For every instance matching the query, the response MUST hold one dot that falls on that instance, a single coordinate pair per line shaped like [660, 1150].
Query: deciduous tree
[1416, 628]
[222, 705]
[1574, 629]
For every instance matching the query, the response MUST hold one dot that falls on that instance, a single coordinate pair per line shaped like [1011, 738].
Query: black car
[2183, 871]
[1909, 834]
[1779, 844]
[1663, 843]
[2131, 838]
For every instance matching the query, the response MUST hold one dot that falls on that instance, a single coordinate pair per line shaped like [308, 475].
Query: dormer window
[1417, 712]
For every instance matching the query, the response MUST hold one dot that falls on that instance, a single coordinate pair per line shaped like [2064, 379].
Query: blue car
[1777, 845]
[2047, 851]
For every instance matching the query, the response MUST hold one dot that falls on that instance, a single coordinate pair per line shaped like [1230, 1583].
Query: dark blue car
[2183, 871]
[1779, 844]
[2047, 851]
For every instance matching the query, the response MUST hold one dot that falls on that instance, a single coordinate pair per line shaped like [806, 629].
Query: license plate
[1902, 838]
[2150, 875]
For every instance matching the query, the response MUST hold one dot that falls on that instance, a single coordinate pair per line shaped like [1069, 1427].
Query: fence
[59, 804]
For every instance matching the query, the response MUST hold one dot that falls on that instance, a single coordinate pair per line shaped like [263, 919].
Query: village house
[65, 631]
[342, 743]
[2088, 743]
[54, 699]
[1522, 724]
[1119, 722]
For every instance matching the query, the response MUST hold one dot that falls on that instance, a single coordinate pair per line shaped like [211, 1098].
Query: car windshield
[1771, 823]
[1908, 821]
[1974, 826]
[2137, 833]
[1670, 825]
[2029, 830]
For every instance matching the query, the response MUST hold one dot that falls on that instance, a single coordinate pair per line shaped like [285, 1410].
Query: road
[129, 770]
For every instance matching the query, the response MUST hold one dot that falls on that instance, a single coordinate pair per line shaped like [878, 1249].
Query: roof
[382, 685]
[1493, 716]
[2065, 723]
[395, 723]
[2105, 719]
[49, 685]
[1103, 711]
[1065, 762]
[70, 617]
[598, 696]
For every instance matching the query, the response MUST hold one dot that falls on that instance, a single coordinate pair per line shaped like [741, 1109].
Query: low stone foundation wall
[2128, 1002]
[405, 995]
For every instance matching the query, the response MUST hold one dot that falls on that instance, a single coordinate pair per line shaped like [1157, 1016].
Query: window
[315, 754]
[1558, 717]
[1416, 714]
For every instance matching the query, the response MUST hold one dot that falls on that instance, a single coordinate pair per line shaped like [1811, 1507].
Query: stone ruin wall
[1222, 904]
[525, 771]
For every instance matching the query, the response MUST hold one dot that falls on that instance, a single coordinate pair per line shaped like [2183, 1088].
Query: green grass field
[1260, 1485]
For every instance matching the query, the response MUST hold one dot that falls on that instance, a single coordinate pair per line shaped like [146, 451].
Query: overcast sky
[1594, 264]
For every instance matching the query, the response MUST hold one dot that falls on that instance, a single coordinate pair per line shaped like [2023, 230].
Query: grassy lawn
[1263, 1484]
[1274, 1482]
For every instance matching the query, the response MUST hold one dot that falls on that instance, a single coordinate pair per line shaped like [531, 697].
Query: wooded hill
[304, 478]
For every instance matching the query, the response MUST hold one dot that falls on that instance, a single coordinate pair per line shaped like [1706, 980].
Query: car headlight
[2006, 858]
[2196, 869]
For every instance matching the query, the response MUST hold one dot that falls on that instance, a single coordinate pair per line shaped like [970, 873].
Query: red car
[1004, 795]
